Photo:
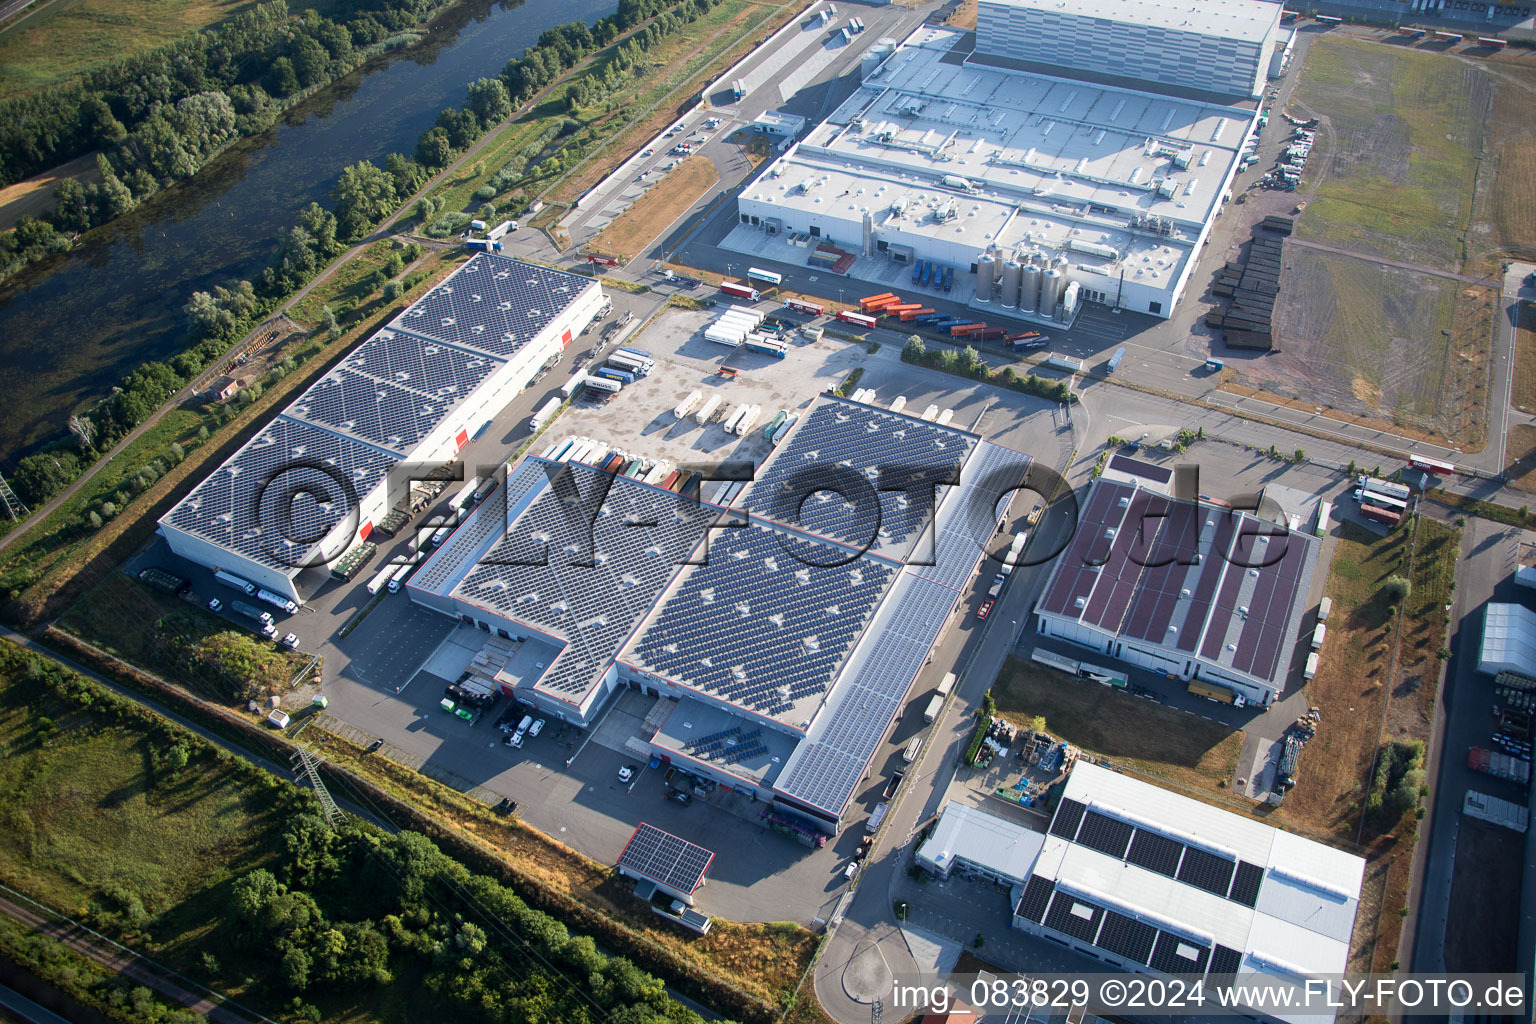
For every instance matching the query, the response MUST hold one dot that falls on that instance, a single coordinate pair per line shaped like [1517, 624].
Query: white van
[873, 824]
[516, 739]
[912, 750]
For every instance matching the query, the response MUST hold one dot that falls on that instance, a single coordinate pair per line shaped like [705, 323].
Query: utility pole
[13, 506]
[309, 764]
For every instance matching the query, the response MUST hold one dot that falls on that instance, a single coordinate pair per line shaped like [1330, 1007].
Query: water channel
[72, 327]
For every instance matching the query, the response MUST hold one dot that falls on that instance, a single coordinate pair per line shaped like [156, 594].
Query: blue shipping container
[619, 375]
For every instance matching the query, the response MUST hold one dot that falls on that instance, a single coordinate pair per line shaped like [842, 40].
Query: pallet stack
[1253, 286]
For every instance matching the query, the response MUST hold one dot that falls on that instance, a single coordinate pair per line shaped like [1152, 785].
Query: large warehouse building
[1040, 183]
[313, 482]
[1147, 880]
[1200, 48]
[1186, 588]
[787, 635]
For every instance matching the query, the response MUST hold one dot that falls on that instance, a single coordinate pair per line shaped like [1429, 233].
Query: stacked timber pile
[1253, 285]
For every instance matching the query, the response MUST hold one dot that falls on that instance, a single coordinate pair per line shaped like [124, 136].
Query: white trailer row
[688, 404]
[732, 326]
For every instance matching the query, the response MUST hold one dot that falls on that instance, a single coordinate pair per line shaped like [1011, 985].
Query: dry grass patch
[68, 37]
[1522, 393]
[34, 196]
[1335, 769]
[1191, 752]
[633, 231]
[1521, 458]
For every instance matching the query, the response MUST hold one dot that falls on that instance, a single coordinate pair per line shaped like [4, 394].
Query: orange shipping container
[881, 305]
[961, 330]
[866, 300]
[913, 314]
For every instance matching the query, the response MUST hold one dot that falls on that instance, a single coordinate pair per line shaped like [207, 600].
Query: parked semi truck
[1499, 764]
[261, 620]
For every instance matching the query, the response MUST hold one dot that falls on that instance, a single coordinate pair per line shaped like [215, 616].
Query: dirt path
[1414, 267]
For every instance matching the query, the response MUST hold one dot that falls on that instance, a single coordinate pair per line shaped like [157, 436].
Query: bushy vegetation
[1397, 784]
[299, 915]
[967, 362]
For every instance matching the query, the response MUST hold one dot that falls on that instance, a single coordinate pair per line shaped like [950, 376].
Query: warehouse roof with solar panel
[789, 642]
[309, 486]
[1184, 587]
[1147, 878]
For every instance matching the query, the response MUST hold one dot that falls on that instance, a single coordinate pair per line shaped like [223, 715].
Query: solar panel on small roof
[1245, 885]
[665, 858]
[1037, 895]
[1074, 916]
[1155, 852]
[1127, 937]
[1105, 834]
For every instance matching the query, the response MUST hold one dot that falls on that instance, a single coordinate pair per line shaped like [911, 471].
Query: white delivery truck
[947, 684]
[873, 824]
[931, 713]
[235, 581]
[914, 748]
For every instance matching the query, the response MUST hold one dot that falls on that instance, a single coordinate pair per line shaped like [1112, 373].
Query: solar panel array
[490, 518]
[766, 622]
[393, 390]
[1035, 898]
[1187, 577]
[1219, 874]
[1116, 929]
[544, 574]
[493, 304]
[282, 492]
[845, 447]
[824, 771]
[664, 858]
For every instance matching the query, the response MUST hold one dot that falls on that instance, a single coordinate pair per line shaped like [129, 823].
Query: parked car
[986, 608]
[375, 745]
[627, 773]
[647, 152]
[507, 806]
[677, 796]
[537, 728]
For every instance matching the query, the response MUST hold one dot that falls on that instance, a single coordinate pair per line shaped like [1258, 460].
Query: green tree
[364, 195]
[392, 290]
[280, 79]
[328, 321]
[1396, 589]
[914, 351]
[489, 101]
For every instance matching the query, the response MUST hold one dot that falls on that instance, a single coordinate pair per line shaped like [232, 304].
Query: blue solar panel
[493, 304]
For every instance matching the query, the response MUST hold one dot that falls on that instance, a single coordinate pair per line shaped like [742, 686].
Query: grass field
[632, 231]
[92, 812]
[1436, 554]
[1402, 130]
[1522, 394]
[1367, 339]
[348, 287]
[63, 38]
[1193, 753]
[1348, 686]
[1506, 204]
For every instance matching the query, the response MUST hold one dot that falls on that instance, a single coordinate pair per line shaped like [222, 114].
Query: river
[72, 327]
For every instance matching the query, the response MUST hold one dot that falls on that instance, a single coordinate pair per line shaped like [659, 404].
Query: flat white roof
[976, 837]
[1227, 19]
[1052, 164]
[1300, 914]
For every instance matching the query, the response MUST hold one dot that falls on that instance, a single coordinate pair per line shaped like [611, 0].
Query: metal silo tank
[1012, 271]
[986, 277]
[1052, 284]
[1030, 299]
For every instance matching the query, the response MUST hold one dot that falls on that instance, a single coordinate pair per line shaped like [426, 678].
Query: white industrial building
[1509, 640]
[1039, 191]
[1190, 589]
[1203, 48]
[782, 636]
[313, 482]
[1147, 880]
[980, 845]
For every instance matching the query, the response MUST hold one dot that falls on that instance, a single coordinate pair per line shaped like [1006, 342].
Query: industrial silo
[1012, 272]
[1030, 298]
[986, 277]
[1052, 284]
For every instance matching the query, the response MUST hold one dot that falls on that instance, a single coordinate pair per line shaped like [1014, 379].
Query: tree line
[967, 362]
[156, 118]
[363, 196]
